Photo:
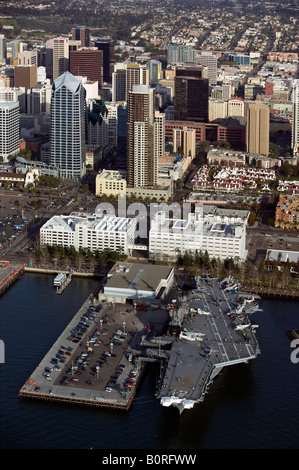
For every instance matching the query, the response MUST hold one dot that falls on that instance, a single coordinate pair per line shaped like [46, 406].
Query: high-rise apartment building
[159, 134]
[179, 54]
[191, 95]
[141, 156]
[295, 124]
[60, 56]
[67, 128]
[87, 62]
[136, 74]
[107, 46]
[9, 128]
[81, 33]
[25, 76]
[258, 128]
[209, 60]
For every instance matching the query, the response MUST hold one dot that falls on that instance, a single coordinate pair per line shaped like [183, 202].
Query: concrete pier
[90, 363]
[9, 273]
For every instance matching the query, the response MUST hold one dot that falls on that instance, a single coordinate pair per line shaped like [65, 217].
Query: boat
[59, 279]
[204, 344]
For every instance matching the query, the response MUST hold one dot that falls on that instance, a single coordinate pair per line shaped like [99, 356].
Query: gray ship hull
[213, 331]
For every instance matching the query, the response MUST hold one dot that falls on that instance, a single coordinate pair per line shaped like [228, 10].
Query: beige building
[111, 183]
[217, 109]
[258, 128]
[184, 141]
[25, 76]
[235, 107]
[136, 74]
[60, 56]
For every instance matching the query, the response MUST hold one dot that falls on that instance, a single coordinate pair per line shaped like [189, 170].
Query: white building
[96, 232]
[295, 125]
[221, 237]
[9, 128]
[104, 133]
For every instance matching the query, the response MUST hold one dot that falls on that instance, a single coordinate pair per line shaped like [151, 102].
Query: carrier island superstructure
[208, 330]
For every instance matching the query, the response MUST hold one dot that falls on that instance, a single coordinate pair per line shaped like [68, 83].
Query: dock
[9, 273]
[91, 363]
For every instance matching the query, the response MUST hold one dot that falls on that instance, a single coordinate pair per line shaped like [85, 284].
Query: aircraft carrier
[209, 330]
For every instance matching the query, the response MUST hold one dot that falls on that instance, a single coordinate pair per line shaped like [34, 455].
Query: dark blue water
[251, 406]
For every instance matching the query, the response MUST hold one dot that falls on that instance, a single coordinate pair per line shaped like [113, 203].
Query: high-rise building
[103, 133]
[258, 128]
[159, 134]
[141, 155]
[191, 95]
[3, 49]
[28, 58]
[155, 71]
[295, 124]
[9, 128]
[209, 60]
[81, 33]
[119, 84]
[67, 128]
[25, 76]
[136, 74]
[60, 56]
[180, 54]
[217, 109]
[87, 62]
[106, 45]
[39, 99]
[235, 107]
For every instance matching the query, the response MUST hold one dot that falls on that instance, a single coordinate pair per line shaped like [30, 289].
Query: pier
[9, 273]
[92, 362]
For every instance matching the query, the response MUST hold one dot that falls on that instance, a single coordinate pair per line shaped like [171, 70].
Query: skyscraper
[81, 33]
[25, 76]
[87, 62]
[106, 45]
[60, 56]
[67, 129]
[295, 124]
[191, 95]
[119, 84]
[258, 128]
[141, 155]
[209, 60]
[9, 128]
[3, 49]
[136, 74]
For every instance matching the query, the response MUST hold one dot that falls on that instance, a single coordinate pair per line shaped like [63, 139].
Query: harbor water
[250, 406]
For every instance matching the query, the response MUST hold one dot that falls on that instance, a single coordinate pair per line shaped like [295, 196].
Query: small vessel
[59, 279]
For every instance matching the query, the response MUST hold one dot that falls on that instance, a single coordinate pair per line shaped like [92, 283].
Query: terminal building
[133, 282]
[222, 238]
[90, 231]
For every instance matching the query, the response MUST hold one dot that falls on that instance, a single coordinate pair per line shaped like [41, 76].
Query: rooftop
[143, 277]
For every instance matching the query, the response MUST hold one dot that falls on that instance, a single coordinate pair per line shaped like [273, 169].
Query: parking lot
[92, 359]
